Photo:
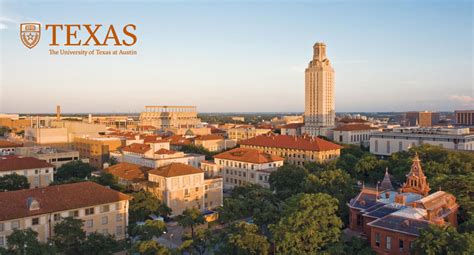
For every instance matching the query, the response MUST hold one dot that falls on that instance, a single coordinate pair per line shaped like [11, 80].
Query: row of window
[388, 242]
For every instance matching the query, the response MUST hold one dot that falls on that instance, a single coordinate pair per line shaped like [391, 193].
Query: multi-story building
[392, 220]
[96, 149]
[8, 148]
[214, 143]
[14, 122]
[240, 133]
[401, 139]
[163, 117]
[464, 117]
[102, 209]
[132, 176]
[38, 172]
[296, 150]
[241, 166]
[146, 155]
[421, 119]
[292, 129]
[182, 186]
[54, 156]
[358, 134]
[319, 113]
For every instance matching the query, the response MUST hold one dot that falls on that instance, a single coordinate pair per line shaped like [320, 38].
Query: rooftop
[128, 171]
[292, 142]
[8, 144]
[14, 204]
[137, 148]
[14, 162]
[248, 155]
[354, 127]
[175, 169]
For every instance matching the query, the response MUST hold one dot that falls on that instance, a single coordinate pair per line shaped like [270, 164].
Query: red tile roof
[248, 155]
[178, 140]
[292, 142]
[209, 137]
[13, 162]
[175, 169]
[163, 151]
[137, 148]
[354, 127]
[128, 171]
[8, 144]
[14, 204]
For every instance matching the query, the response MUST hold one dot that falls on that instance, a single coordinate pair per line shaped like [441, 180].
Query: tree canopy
[13, 181]
[73, 169]
[242, 238]
[309, 224]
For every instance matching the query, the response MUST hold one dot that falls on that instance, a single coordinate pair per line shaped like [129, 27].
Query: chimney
[58, 112]
[90, 118]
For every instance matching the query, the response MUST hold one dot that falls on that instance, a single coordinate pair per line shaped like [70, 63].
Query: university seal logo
[30, 34]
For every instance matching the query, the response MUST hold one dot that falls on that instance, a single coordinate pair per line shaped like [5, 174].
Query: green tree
[73, 169]
[309, 224]
[13, 181]
[369, 169]
[150, 247]
[443, 240]
[191, 148]
[26, 242]
[99, 244]
[243, 238]
[145, 203]
[108, 179]
[286, 181]
[336, 183]
[190, 218]
[203, 240]
[69, 236]
[151, 228]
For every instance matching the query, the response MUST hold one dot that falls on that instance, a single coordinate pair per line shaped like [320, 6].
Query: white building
[242, 166]
[401, 139]
[357, 134]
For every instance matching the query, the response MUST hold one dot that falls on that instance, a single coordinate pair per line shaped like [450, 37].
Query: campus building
[38, 172]
[464, 117]
[295, 150]
[402, 139]
[357, 134]
[102, 209]
[241, 166]
[96, 149]
[8, 148]
[319, 112]
[163, 117]
[54, 156]
[392, 219]
[183, 186]
[245, 132]
[214, 143]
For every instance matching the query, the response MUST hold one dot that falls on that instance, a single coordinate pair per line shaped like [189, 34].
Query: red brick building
[391, 220]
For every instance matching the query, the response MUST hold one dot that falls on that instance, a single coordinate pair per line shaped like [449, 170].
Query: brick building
[391, 220]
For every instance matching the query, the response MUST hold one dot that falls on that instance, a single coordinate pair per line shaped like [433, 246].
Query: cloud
[3, 26]
[464, 100]
[6, 21]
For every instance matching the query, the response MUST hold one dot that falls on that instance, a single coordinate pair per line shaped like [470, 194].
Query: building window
[400, 146]
[2, 241]
[89, 223]
[118, 206]
[104, 208]
[90, 211]
[400, 245]
[376, 145]
[119, 230]
[35, 221]
[105, 220]
[74, 214]
[2, 227]
[377, 239]
[388, 147]
[388, 245]
[118, 217]
[57, 217]
[359, 220]
[197, 189]
[15, 224]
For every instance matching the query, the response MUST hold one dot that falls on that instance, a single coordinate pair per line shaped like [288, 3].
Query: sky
[243, 56]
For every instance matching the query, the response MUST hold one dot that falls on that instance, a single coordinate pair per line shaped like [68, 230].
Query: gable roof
[14, 162]
[128, 171]
[248, 155]
[209, 137]
[292, 142]
[175, 169]
[137, 148]
[13, 204]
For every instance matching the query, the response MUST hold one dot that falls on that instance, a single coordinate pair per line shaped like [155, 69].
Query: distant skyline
[245, 56]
